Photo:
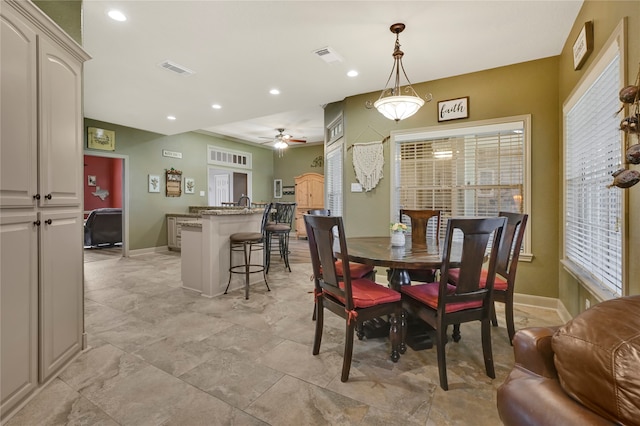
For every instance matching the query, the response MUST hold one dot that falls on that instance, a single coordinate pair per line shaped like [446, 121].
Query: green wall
[67, 14]
[147, 222]
[526, 88]
[606, 15]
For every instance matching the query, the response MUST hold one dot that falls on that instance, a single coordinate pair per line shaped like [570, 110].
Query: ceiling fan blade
[297, 140]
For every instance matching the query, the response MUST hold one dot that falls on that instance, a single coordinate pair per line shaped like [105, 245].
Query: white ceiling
[239, 50]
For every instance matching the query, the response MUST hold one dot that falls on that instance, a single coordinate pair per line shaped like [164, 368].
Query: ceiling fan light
[280, 144]
[398, 107]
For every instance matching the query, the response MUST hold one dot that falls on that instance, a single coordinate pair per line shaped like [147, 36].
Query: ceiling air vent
[178, 69]
[328, 55]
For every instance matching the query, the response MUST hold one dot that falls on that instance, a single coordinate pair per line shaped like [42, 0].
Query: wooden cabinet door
[61, 292]
[316, 193]
[19, 307]
[61, 172]
[171, 232]
[18, 132]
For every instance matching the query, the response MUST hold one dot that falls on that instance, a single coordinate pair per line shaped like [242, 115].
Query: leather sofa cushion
[597, 356]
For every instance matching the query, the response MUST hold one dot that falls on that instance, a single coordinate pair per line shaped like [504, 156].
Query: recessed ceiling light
[352, 73]
[171, 117]
[274, 91]
[216, 106]
[116, 15]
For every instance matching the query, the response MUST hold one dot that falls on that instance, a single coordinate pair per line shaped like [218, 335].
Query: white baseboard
[544, 303]
[148, 250]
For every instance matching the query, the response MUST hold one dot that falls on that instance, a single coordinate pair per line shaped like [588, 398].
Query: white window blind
[593, 141]
[476, 171]
[333, 179]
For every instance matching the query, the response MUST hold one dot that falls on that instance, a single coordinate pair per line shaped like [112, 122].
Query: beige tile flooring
[161, 355]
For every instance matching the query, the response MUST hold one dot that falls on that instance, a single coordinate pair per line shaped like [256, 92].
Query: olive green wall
[526, 88]
[67, 14]
[147, 222]
[606, 15]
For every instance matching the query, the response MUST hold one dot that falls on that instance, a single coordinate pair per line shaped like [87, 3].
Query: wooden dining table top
[377, 251]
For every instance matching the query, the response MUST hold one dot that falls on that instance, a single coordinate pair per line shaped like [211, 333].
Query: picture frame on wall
[91, 180]
[583, 46]
[101, 139]
[453, 109]
[189, 186]
[277, 188]
[154, 183]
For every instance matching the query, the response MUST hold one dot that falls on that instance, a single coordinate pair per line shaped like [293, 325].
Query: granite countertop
[230, 211]
[195, 225]
[183, 215]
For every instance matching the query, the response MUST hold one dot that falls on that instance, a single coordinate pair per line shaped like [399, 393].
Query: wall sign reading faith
[583, 46]
[453, 109]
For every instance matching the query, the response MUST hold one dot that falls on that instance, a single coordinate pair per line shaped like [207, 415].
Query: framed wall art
[154, 183]
[277, 188]
[173, 183]
[189, 185]
[453, 109]
[101, 139]
[91, 180]
[583, 46]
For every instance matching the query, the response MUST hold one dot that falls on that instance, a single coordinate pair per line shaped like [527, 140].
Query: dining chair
[506, 267]
[420, 221]
[280, 228]
[354, 300]
[357, 270]
[440, 303]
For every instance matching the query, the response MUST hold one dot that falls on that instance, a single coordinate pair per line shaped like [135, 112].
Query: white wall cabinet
[174, 230]
[41, 221]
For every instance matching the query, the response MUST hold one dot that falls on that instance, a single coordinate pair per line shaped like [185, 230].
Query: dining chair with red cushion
[357, 270]
[420, 221]
[506, 267]
[355, 300]
[440, 303]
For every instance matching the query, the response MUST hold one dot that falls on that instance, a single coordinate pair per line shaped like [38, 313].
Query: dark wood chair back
[511, 244]
[355, 303]
[420, 222]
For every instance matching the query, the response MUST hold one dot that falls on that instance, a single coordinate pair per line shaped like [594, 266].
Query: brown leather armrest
[532, 350]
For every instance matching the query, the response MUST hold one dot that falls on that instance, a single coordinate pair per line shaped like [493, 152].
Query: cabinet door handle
[36, 197]
[48, 196]
[37, 223]
[48, 221]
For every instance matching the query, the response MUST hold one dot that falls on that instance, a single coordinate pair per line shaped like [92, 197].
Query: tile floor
[161, 355]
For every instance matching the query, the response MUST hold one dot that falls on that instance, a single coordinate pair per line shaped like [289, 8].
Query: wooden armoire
[309, 196]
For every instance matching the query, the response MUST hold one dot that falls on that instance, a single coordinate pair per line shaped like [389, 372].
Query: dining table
[378, 251]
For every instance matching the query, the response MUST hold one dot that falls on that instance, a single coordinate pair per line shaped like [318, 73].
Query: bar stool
[280, 229]
[248, 242]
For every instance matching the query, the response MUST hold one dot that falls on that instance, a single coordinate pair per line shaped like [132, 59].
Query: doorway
[227, 185]
[106, 183]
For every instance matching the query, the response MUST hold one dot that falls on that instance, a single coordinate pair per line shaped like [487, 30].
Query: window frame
[615, 45]
[460, 130]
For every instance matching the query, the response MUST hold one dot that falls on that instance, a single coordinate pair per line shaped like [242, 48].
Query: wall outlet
[202, 193]
[587, 303]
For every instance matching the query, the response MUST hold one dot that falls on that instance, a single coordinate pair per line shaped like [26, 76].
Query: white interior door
[221, 190]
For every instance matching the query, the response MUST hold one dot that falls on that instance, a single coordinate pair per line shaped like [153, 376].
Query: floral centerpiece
[397, 234]
[398, 227]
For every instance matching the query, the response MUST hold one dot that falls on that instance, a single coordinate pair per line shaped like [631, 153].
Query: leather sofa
[103, 226]
[586, 372]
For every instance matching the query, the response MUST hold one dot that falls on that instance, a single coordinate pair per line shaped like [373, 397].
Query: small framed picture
[189, 185]
[583, 46]
[154, 183]
[91, 180]
[453, 109]
[277, 188]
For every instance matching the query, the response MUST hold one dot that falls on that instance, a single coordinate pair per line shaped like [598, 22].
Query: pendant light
[398, 103]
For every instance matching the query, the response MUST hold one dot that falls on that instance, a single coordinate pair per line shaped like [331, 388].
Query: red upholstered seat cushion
[498, 284]
[358, 270]
[428, 294]
[367, 293]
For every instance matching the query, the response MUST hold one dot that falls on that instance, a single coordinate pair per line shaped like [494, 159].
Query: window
[227, 157]
[477, 169]
[593, 213]
[333, 179]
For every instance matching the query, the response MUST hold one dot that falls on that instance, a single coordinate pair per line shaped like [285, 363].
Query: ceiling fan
[282, 140]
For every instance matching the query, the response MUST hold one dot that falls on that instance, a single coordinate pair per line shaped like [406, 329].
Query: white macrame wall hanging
[368, 161]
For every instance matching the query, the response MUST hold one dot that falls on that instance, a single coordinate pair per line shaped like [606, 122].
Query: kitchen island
[205, 249]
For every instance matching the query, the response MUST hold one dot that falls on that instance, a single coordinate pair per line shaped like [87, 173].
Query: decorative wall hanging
[91, 180]
[289, 190]
[154, 183]
[368, 161]
[453, 109]
[583, 46]
[630, 125]
[277, 188]
[100, 193]
[173, 182]
[101, 139]
[189, 185]
[318, 161]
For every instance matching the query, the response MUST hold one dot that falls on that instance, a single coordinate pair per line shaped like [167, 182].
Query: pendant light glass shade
[392, 103]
